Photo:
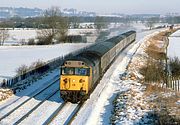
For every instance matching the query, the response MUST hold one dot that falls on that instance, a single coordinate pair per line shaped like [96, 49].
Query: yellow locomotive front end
[74, 81]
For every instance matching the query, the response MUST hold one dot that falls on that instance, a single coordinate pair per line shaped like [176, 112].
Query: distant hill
[8, 12]
[74, 12]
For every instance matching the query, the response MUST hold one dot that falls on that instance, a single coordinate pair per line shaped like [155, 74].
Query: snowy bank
[144, 103]
[174, 45]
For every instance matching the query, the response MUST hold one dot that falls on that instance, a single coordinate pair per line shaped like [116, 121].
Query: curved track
[30, 104]
[66, 115]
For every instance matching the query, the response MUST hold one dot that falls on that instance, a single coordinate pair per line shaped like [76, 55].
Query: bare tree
[45, 36]
[75, 22]
[151, 21]
[22, 69]
[4, 34]
[55, 24]
[100, 23]
[62, 29]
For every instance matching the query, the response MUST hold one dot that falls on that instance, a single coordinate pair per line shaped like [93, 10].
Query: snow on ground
[35, 86]
[130, 107]
[97, 110]
[14, 56]
[41, 114]
[174, 45]
[48, 107]
[81, 31]
[64, 114]
[19, 35]
[134, 106]
[139, 26]
[20, 112]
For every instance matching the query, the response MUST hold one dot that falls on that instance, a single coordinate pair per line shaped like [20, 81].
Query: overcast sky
[102, 6]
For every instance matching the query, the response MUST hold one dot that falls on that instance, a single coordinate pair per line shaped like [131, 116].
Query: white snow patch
[174, 45]
[14, 56]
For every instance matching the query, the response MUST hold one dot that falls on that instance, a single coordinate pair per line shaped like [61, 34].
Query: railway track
[17, 115]
[31, 95]
[56, 112]
[38, 102]
[64, 114]
[71, 118]
[54, 115]
[34, 108]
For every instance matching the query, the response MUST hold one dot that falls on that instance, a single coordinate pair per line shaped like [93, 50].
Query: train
[80, 73]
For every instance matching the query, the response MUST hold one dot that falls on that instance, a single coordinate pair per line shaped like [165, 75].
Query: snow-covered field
[174, 45]
[14, 56]
[19, 35]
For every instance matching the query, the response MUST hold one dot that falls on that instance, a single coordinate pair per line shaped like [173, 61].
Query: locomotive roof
[91, 54]
[100, 48]
[116, 39]
[89, 58]
[128, 33]
[120, 37]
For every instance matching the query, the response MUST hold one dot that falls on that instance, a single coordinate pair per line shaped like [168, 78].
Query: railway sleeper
[74, 96]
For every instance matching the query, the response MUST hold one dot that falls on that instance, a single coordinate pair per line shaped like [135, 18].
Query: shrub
[23, 42]
[153, 72]
[31, 42]
[175, 66]
[44, 40]
[155, 53]
[22, 69]
[37, 64]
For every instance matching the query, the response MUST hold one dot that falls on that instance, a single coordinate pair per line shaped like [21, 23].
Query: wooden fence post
[173, 83]
[167, 85]
[178, 83]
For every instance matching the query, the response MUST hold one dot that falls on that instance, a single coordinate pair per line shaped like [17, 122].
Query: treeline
[17, 22]
[36, 22]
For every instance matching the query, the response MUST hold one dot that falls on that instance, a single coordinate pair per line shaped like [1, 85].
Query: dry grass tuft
[164, 104]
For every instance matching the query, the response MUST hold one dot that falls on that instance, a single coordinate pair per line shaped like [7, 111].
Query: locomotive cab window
[75, 71]
[82, 71]
[67, 71]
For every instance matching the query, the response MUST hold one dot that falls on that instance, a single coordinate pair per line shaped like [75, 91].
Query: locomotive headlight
[73, 80]
[81, 80]
[65, 80]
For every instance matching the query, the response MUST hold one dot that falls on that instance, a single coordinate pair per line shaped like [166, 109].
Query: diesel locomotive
[80, 73]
